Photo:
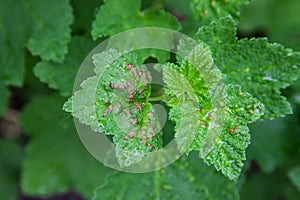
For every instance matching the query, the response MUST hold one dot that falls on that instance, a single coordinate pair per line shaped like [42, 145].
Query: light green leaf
[115, 102]
[187, 178]
[230, 146]
[51, 31]
[55, 152]
[209, 10]
[13, 35]
[219, 116]
[62, 76]
[10, 158]
[261, 68]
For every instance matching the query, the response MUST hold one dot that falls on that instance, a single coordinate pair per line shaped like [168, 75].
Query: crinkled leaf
[187, 178]
[294, 175]
[115, 102]
[55, 152]
[13, 35]
[62, 76]
[210, 10]
[185, 103]
[222, 147]
[261, 68]
[51, 28]
[10, 158]
[229, 151]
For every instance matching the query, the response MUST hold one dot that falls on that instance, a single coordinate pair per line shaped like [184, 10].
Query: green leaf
[222, 147]
[55, 152]
[261, 68]
[187, 178]
[294, 175]
[13, 35]
[62, 76]
[209, 10]
[115, 102]
[10, 158]
[116, 16]
[51, 28]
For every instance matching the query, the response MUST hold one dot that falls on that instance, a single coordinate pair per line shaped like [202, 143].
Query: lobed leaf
[51, 28]
[61, 76]
[261, 68]
[220, 129]
[115, 102]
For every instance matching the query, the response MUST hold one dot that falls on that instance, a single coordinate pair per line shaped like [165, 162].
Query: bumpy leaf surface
[187, 178]
[224, 147]
[54, 155]
[62, 76]
[210, 10]
[51, 28]
[115, 102]
[261, 68]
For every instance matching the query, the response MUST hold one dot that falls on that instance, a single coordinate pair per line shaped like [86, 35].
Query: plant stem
[159, 98]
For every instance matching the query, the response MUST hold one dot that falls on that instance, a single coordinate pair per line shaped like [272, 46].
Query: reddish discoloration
[107, 110]
[133, 120]
[129, 66]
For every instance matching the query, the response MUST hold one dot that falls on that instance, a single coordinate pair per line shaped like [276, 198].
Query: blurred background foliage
[41, 155]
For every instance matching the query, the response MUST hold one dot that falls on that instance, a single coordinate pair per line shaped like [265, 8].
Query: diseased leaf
[13, 35]
[51, 28]
[55, 152]
[115, 102]
[261, 68]
[209, 10]
[62, 76]
[220, 129]
[187, 178]
[10, 158]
